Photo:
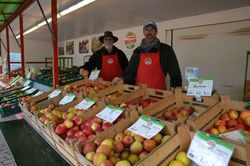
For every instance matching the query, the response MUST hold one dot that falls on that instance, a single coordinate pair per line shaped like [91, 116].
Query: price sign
[30, 91]
[26, 83]
[146, 127]
[38, 93]
[191, 72]
[55, 93]
[94, 74]
[25, 88]
[85, 103]
[110, 113]
[200, 87]
[28, 75]
[207, 150]
[67, 99]
[237, 135]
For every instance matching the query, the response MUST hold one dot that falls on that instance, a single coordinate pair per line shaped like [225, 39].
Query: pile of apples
[181, 159]
[176, 114]
[87, 87]
[24, 100]
[230, 121]
[125, 149]
[114, 96]
[142, 103]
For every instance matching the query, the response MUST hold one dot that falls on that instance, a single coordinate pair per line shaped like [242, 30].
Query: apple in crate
[77, 120]
[60, 129]
[68, 123]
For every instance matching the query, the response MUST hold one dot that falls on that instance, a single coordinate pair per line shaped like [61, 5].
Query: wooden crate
[179, 99]
[242, 150]
[153, 158]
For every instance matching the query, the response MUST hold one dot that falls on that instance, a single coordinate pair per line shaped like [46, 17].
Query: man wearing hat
[151, 62]
[110, 60]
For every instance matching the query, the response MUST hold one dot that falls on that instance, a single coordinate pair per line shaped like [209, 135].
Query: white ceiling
[113, 15]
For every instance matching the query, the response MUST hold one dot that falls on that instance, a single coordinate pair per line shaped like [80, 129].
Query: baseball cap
[152, 23]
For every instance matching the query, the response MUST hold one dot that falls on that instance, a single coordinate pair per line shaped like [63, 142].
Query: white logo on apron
[148, 61]
[110, 61]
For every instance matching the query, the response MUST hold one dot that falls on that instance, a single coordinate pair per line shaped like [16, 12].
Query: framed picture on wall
[70, 47]
[84, 46]
[95, 44]
[61, 48]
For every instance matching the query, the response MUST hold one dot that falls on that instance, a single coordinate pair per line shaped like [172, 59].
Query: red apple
[219, 123]
[106, 163]
[119, 136]
[87, 130]
[95, 126]
[231, 123]
[98, 120]
[99, 158]
[60, 129]
[98, 141]
[224, 117]
[128, 140]
[106, 125]
[78, 134]
[104, 149]
[89, 147]
[149, 145]
[233, 114]
[68, 123]
[118, 146]
[82, 139]
[77, 120]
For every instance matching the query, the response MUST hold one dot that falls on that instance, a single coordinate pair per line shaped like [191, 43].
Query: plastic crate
[10, 110]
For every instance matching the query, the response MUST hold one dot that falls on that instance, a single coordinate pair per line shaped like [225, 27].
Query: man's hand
[117, 80]
[84, 73]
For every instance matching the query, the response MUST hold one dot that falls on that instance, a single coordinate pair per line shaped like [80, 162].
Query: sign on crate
[55, 93]
[85, 104]
[67, 99]
[147, 127]
[94, 74]
[208, 150]
[110, 113]
[200, 87]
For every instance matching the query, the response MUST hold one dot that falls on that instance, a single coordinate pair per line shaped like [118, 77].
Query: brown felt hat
[108, 34]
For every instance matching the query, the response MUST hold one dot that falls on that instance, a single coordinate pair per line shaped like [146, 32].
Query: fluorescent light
[63, 13]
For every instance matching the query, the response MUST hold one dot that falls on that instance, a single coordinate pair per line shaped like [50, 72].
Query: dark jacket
[168, 60]
[95, 61]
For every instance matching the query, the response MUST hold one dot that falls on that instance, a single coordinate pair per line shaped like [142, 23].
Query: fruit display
[125, 148]
[88, 87]
[230, 121]
[178, 113]
[181, 159]
[143, 103]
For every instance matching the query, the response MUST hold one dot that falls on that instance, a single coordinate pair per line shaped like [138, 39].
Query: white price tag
[27, 83]
[25, 88]
[94, 74]
[55, 93]
[28, 75]
[38, 93]
[191, 72]
[30, 91]
[85, 104]
[110, 113]
[200, 87]
[146, 127]
[237, 135]
[67, 99]
[207, 150]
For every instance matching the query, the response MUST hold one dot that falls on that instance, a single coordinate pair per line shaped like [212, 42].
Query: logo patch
[148, 61]
[110, 61]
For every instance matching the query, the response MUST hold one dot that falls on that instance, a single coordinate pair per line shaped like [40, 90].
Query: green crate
[9, 110]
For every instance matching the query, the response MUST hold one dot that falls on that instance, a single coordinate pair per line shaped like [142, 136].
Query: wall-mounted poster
[96, 44]
[61, 48]
[70, 47]
[130, 40]
[84, 46]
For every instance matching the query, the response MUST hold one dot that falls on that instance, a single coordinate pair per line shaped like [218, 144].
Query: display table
[27, 147]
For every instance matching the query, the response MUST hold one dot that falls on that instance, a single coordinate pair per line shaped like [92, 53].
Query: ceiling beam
[23, 6]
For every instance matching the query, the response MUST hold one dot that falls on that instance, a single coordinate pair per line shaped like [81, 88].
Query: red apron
[110, 67]
[150, 72]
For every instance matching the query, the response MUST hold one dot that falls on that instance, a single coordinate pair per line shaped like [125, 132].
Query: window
[15, 57]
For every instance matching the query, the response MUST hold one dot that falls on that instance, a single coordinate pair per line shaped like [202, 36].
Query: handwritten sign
[200, 87]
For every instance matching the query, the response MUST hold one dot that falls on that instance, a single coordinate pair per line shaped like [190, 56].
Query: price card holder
[26, 83]
[38, 93]
[85, 104]
[110, 113]
[25, 88]
[191, 73]
[147, 127]
[55, 93]
[94, 74]
[207, 150]
[30, 91]
[67, 99]
[200, 87]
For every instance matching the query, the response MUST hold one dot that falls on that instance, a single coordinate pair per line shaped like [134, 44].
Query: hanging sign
[85, 104]
[207, 150]
[147, 127]
[67, 99]
[110, 113]
[200, 87]
[55, 93]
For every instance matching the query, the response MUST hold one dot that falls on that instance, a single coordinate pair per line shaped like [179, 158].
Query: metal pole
[8, 51]
[22, 45]
[44, 17]
[55, 44]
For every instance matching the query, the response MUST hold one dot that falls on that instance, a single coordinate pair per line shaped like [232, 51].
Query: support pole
[55, 44]
[8, 51]
[22, 45]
